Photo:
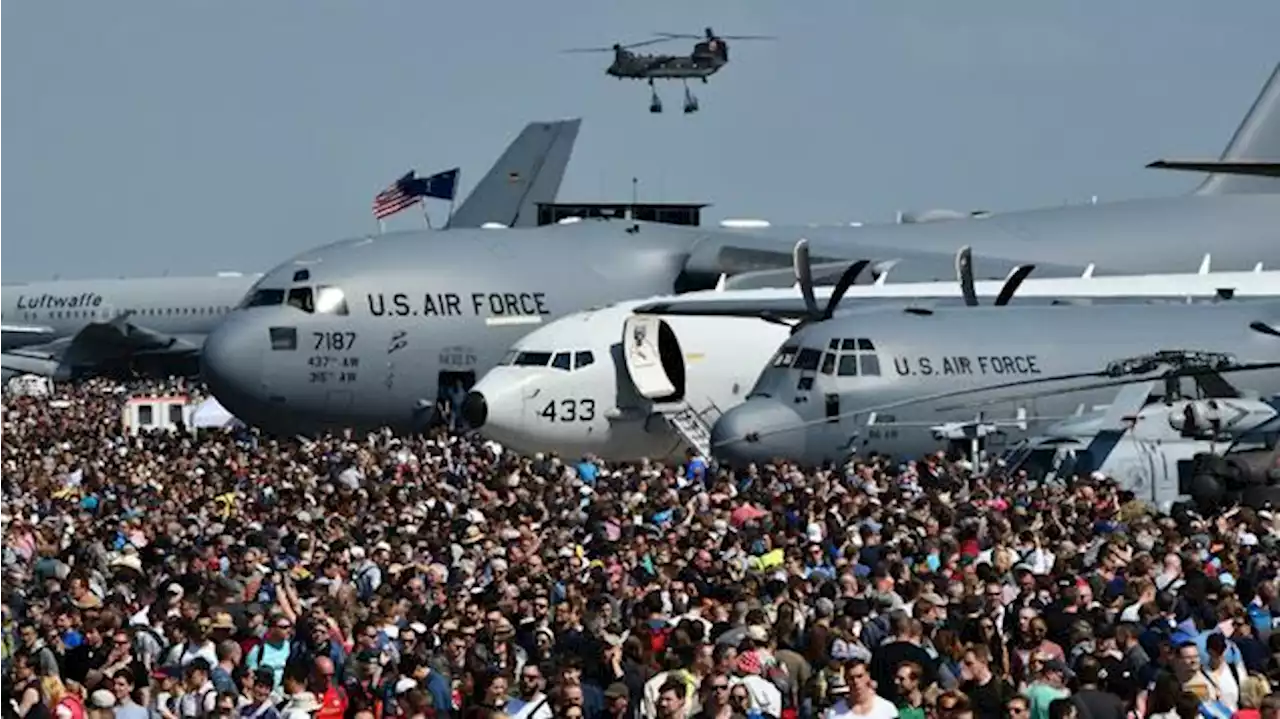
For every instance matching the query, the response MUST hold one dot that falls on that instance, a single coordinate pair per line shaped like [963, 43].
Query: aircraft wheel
[1207, 491]
[1258, 497]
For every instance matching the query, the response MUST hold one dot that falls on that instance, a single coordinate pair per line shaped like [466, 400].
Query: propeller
[964, 272]
[618, 46]
[804, 276]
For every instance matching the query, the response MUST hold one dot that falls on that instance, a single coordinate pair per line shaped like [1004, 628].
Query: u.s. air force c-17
[67, 328]
[623, 386]
[898, 381]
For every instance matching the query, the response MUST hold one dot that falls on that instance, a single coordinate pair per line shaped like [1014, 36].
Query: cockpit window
[509, 357]
[532, 359]
[785, 357]
[302, 298]
[331, 301]
[583, 359]
[857, 358]
[264, 298]
[563, 360]
[808, 359]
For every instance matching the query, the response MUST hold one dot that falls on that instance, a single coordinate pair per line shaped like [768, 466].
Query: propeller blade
[804, 276]
[964, 273]
[1012, 284]
[1264, 328]
[846, 281]
[652, 41]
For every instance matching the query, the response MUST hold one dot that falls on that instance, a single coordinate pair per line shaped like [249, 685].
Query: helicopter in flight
[710, 53]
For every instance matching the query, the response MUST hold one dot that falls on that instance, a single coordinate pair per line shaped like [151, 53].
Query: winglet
[1204, 264]
[1088, 272]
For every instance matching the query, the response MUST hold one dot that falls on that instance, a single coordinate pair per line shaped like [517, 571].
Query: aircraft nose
[475, 409]
[758, 430]
[231, 364]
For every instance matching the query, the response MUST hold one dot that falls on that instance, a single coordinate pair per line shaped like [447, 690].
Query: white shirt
[881, 708]
[537, 708]
[764, 695]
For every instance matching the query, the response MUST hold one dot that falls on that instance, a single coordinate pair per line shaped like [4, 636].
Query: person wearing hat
[301, 704]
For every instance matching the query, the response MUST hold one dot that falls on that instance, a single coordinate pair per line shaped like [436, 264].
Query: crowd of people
[178, 575]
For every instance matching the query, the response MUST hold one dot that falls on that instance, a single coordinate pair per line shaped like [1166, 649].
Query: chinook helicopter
[709, 54]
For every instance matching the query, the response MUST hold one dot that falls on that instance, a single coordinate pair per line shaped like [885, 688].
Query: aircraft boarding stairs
[691, 424]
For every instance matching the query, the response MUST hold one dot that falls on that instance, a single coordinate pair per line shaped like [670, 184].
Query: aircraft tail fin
[1251, 162]
[528, 172]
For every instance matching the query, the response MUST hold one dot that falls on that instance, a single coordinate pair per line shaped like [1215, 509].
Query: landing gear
[690, 102]
[655, 103]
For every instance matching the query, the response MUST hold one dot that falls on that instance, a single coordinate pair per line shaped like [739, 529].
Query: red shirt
[333, 703]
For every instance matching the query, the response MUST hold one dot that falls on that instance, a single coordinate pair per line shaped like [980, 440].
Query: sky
[177, 137]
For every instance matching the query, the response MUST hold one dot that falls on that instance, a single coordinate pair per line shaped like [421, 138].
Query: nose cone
[231, 364]
[758, 430]
[475, 410]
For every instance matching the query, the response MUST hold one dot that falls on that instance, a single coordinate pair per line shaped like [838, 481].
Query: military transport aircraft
[899, 381]
[584, 384]
[64, 328]
[450, 307]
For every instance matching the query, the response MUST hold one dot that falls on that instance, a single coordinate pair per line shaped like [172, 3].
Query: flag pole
[382, 226]
[457, 182]
[425, 215]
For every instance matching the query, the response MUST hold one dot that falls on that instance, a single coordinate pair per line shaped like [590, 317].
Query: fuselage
[887, 380]
[566, 387]
[188, 306]
[417, 320]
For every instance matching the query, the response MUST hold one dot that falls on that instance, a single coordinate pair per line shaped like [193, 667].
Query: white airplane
[626, 387]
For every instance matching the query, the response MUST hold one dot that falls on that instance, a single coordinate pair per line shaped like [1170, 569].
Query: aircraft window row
[321, 299]
[111, 314]
[566, 361]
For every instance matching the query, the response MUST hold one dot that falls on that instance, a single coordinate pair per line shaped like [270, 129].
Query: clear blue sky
[187, 137]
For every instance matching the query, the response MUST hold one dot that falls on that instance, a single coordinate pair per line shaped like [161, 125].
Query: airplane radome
[567, 387]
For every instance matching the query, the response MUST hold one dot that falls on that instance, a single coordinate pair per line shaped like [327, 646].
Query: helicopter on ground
[710, 53]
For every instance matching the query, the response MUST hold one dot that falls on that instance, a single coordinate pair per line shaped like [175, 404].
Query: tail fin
[528, 172]
[1250, 162]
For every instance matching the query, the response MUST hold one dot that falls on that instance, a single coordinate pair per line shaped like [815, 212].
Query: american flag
[394, 199]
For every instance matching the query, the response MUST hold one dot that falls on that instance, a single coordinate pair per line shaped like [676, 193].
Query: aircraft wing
[99, 341]
[773, 307]
[24, 335]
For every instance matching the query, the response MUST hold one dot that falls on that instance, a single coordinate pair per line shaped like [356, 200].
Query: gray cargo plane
[422, 314]
[64, 328]
[900, 381]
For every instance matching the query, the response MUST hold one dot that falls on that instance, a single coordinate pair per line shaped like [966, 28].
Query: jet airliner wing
[100, 341]
[24, 335]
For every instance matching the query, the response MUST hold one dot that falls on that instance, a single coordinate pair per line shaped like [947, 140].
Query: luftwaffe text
[452, 304]
[923, 366]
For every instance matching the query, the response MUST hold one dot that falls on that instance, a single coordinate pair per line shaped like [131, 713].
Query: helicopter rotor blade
[846, 281]
[747, 37]
[804, 276]
[680, 36]
[587, 49]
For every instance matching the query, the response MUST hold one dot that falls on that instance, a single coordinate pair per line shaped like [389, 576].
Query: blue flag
[442, 185]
